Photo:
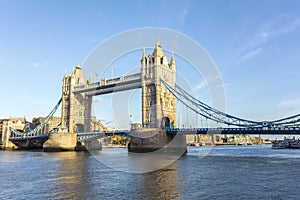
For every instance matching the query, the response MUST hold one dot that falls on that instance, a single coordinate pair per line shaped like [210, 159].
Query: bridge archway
[79, 128]
[166, 123]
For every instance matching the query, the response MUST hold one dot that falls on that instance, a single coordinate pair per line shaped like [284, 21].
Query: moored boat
[295, 144]
[286, 144]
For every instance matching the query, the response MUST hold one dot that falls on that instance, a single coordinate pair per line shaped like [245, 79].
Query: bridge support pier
[153, 139]
[92, 144]
[6, 144]
[60, 142]
[29, 143]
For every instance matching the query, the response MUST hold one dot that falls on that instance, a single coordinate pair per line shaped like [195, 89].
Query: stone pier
[60, 142]
[153, 139]
[90, 144]
[30, 143]
[6, 144]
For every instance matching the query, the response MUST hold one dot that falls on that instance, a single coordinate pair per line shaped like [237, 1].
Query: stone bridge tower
[158, 104]
[76, 108]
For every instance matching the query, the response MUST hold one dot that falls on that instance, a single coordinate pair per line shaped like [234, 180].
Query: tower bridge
[157, 80]
[158, 105]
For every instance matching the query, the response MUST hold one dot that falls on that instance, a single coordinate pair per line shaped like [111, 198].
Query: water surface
[227, 172]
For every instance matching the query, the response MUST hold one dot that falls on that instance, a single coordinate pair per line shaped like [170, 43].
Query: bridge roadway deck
[84, 135]
[112, 85]
[209, 131]
[18, 138]
[233, 131]
[103, 134]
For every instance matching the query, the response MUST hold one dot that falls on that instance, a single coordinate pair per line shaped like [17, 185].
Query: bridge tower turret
[158, 105]
[76, 108]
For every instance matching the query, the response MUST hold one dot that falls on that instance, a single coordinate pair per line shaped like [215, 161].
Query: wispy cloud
[39, 65]
[290, 103]
[288, 26]
[184, 12]
[36, 65]
[249, 55]
[200, 86]
[268, 31]
[273, 29]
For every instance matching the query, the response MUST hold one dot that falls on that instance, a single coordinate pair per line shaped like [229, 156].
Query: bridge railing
[122, 79]
[92, 85]
[113, 81]
[88, 135]
[132, 77]
[238, 128]
[248, 130]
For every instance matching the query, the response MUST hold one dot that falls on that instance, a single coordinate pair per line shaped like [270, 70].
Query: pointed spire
[158, 44]
[144, 52]
[143, 61]
[65, 74]
[91, 78]
[158, 51]
[78, 66]
[172, 61]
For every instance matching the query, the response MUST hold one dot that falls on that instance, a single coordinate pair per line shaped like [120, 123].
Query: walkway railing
[235, 131]
[88, 135]
[123, 80]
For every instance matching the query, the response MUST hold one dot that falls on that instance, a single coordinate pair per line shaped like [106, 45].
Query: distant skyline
[254, 44]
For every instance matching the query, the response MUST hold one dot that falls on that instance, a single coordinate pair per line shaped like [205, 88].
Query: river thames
[227, 172]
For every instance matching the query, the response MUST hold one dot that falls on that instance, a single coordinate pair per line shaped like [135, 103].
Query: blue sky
[254, 44]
